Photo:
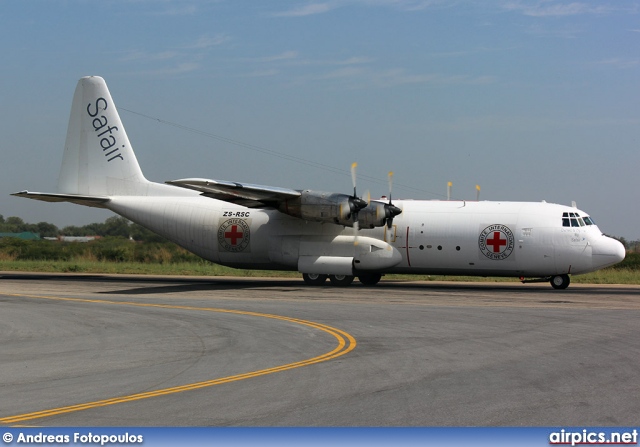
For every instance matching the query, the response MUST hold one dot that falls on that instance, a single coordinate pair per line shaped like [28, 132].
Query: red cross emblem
[234, 235]
[496, 242]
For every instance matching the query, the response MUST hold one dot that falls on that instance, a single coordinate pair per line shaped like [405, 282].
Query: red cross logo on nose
[234, 235]
[496, 242]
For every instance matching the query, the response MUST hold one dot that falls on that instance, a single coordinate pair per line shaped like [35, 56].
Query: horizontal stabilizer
[244, 194]
[93, 201]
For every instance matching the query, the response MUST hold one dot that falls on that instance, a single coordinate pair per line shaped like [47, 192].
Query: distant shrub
[37, 250]
[107, 249]
[114, 249]
[631, 262]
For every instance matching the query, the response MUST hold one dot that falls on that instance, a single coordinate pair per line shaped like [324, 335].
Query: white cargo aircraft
[262, 227]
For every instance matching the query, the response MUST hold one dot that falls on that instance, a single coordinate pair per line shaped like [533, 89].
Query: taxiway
[94, 350]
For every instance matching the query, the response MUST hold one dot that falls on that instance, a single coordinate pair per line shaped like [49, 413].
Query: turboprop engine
[339, 209]
[377, 214]
[326, 207]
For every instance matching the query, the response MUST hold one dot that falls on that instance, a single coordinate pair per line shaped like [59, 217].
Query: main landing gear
[314, 279]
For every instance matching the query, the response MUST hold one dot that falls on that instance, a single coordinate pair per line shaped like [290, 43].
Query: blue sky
[535, 100]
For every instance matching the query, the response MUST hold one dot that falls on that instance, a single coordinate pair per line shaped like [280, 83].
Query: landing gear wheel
[314, 279]
[560, 281]
[340, 280]
[370, 279]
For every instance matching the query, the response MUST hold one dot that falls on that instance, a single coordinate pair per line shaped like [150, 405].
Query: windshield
[575, 220]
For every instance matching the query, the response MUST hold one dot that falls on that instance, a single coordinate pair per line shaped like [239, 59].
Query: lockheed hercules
[319, 234]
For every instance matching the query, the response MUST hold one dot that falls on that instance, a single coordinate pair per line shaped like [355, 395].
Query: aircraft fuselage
[517, 239]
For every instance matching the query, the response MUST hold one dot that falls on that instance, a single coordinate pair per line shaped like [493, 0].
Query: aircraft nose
[607, 251]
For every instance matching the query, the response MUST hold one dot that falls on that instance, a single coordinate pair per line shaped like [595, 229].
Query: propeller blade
[390, 209]
[355, 202]
[354, 165]
[356, 227]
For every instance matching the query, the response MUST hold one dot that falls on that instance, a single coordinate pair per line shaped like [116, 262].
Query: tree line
[115, 226]
[114, 244]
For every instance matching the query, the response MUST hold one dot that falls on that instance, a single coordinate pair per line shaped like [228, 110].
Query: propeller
[355, 203]
[390, 210]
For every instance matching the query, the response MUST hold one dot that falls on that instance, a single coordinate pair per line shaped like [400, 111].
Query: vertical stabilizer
[98, 158]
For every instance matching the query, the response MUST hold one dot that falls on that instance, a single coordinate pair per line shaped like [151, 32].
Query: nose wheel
[560, 281]
[370, 279]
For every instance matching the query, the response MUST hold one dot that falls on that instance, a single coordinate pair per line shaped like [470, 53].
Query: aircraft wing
[245, 194]
[93, 201]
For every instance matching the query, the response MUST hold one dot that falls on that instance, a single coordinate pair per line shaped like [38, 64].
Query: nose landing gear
[560, 281]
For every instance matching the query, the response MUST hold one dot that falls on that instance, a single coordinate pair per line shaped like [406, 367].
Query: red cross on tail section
[496, 242]
[234, 235]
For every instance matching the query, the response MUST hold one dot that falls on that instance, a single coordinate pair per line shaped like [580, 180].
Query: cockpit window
[575, 220]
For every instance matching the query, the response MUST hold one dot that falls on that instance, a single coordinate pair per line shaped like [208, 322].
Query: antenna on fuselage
[449, 185]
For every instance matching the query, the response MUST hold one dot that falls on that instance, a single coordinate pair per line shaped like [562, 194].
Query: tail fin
[98, 158]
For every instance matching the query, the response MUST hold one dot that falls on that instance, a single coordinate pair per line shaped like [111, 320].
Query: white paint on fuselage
[444, 237]
[433, 237]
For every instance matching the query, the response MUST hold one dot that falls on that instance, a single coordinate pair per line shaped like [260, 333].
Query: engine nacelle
[317, 206]
[336, 208]
[374, 215]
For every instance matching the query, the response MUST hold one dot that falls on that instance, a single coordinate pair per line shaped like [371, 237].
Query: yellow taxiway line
[346, 343]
